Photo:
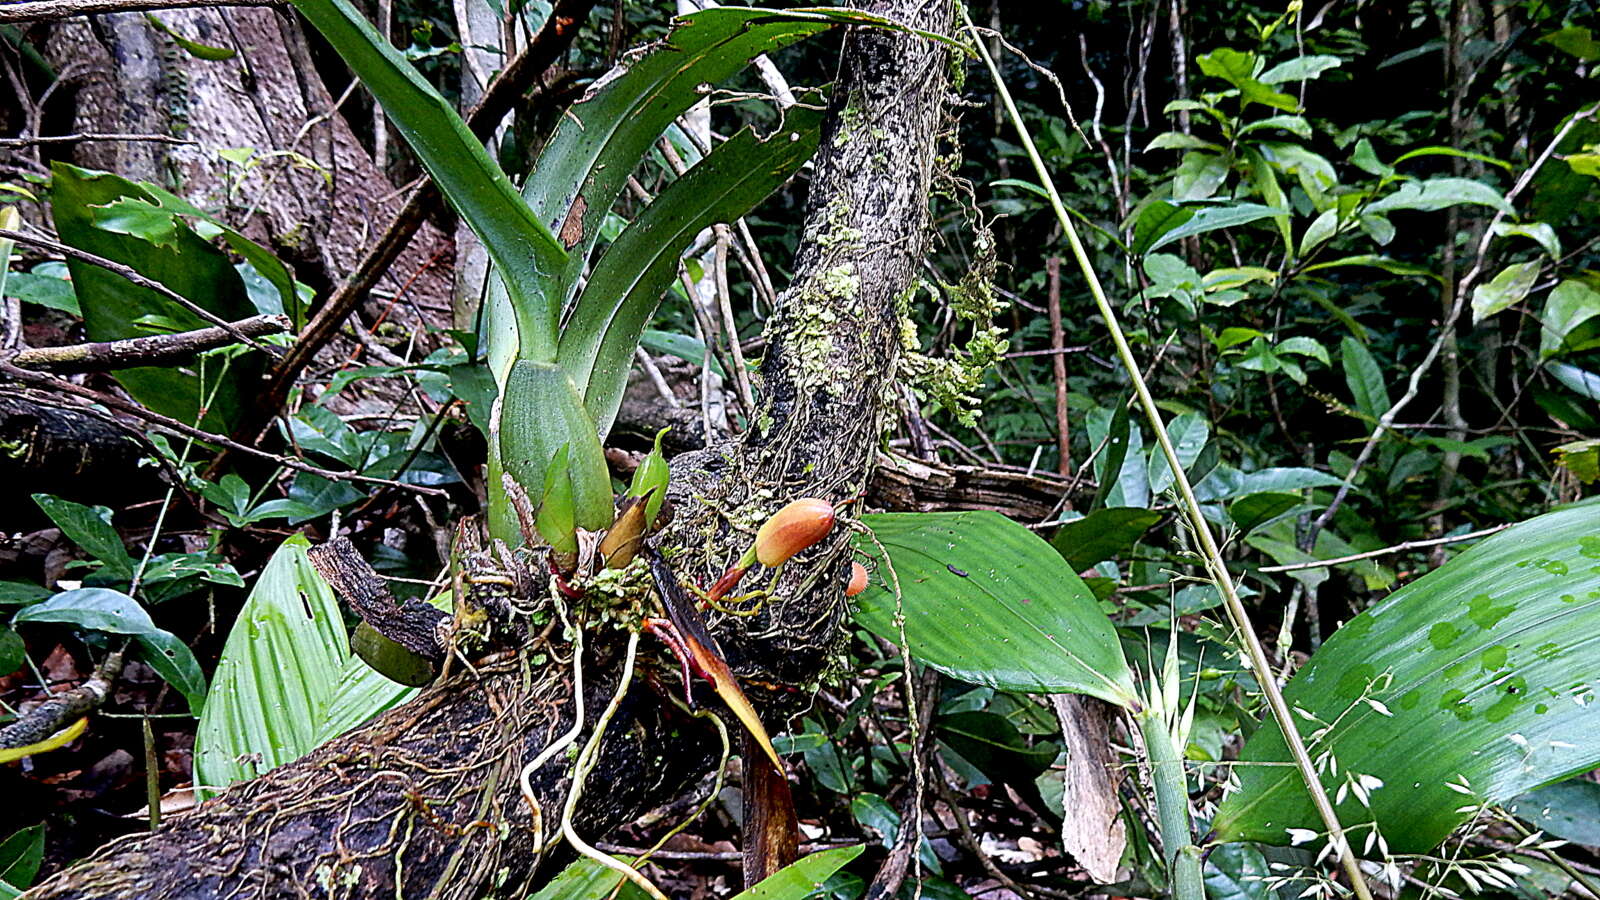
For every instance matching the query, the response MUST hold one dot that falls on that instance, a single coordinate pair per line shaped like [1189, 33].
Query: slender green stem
[1212, 554]
[1172, 807]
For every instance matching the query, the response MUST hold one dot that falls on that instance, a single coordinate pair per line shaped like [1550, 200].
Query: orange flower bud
[858, 580]
[792, 529]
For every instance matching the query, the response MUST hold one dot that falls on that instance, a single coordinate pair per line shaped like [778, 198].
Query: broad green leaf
[1265, 181]
[13, 652]
[588, 880]
[90, 528]
[684, 347]
[1302, 69]
[621, 293]
[1313, 170]
[1155, 220]
[1539, 232]
[21, 854]
[1295, 125]
[42, 288]
[1304, 346]
[21, 593]
[1569, 810]
[1115, 431]
[1580, 381]
[993, 744]
[803, 877]
[1212, 218]
[1227, 483]
[524, 251]
[363, 692]
[1491, 657]
[1574, 39]
[1392, 266]
[1364, 378]
[987, 601]
[1569, 305]
[1505, 290]
[1581, 458]
[1254, 510]
[113, 612]
[1440, 193]
[1188, 434]
[1102, 534]
[260, 260]
[1171, 140]
[280, 670]
[1199, 175]
[1238, 69]
[114, 308]
[1237, 872]
[1365, 158]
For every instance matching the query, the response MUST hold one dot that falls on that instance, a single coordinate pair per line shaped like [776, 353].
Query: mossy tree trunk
[424, 802]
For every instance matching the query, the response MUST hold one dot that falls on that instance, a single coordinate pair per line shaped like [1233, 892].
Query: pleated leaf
[278, 676]
[987, 601]
[1492, 661]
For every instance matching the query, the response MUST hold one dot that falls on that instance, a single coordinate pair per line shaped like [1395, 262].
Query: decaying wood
[53, 448]
[917, 485]
[425, 801]
[413, 624]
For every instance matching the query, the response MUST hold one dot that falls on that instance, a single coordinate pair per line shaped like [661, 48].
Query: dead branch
[51, 10]
[154, 350]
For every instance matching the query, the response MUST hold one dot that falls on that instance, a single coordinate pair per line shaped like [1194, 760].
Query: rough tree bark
[424, 801]
[311, 192]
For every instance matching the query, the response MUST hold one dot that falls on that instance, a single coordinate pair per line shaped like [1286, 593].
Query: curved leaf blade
[1492, 656]
[626, 284]
[987, 601]
[524, 251]
[803, 877]
[601, 139]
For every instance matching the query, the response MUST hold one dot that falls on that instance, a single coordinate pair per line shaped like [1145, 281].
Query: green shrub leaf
[1489, 660]
[987, 601]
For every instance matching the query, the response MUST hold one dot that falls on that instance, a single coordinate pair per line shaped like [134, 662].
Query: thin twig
[154, 350]
[741, 380]
[133, 276]
[110, 401]
[64, 708]
[91, 136]
[1397, 548]
[1058, 363]
[50, 10]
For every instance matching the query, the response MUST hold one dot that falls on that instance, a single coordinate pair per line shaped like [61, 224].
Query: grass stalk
[1172, 807]
[1216, 568]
